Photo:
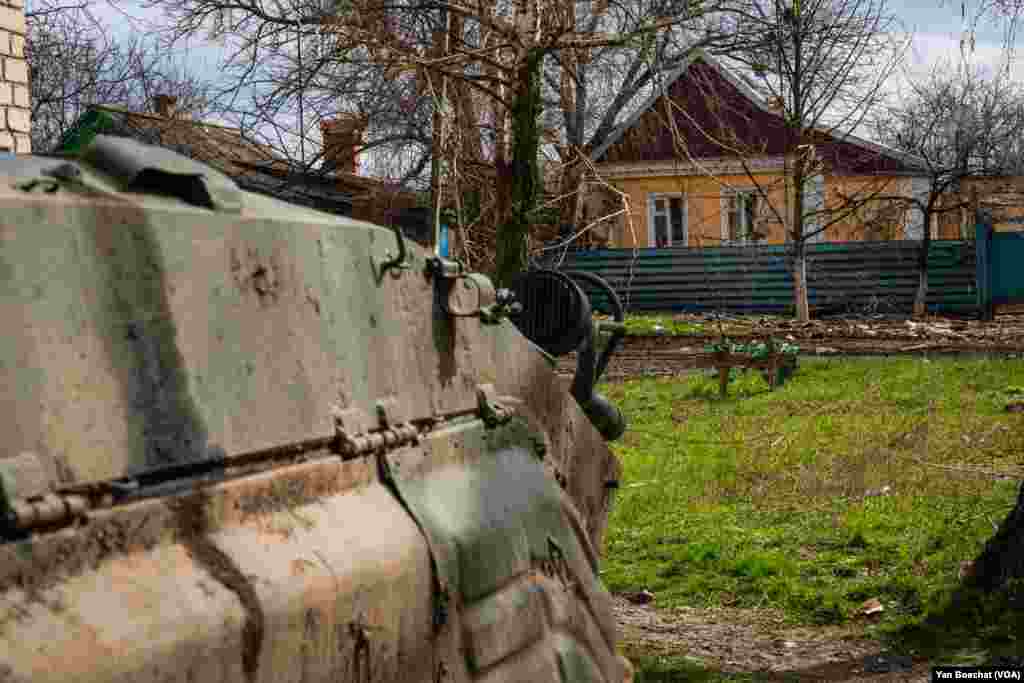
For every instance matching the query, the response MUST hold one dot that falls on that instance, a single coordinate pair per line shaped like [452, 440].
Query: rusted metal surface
[210, 398]
[263, 579]
[305, 573]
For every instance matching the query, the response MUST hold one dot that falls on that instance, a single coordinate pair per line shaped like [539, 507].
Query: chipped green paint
[491, 514]
[185, 359]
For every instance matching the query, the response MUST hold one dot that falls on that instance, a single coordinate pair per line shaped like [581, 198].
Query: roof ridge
[662, 90]
[157, 117]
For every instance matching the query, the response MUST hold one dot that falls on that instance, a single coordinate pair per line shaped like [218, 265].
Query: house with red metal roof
[704, 160]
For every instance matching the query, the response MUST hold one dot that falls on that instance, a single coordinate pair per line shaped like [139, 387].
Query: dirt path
[1004, 334]
[749, 641]
[654, 355]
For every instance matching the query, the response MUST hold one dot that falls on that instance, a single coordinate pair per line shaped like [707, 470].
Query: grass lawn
[662, 324]
[857, 480]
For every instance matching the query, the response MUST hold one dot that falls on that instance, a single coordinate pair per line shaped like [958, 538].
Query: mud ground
[758, 641]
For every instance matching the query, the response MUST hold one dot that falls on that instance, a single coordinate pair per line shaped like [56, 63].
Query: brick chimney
[14, 106]
[342, 136]
[165, 105]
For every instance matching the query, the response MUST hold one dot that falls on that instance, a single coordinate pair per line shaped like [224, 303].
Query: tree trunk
[800, 302]
[572, 168]
[921, 297]
[569, 207]
[803, 309]
[1002, 560]
[522, 180]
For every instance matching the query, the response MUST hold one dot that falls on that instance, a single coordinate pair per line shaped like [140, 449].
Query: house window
[740, 220]
[667, 220]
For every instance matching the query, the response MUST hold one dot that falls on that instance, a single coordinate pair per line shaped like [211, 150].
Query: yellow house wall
[704, 207]
[873, 219]
[1003, 196]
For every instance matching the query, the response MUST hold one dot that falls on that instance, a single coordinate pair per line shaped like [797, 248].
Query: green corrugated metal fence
[843, 276]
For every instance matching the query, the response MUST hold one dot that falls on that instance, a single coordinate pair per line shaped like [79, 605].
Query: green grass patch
[661, 325]
[858, 479]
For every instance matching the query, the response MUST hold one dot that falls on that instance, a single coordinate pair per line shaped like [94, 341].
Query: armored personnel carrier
[249, 442]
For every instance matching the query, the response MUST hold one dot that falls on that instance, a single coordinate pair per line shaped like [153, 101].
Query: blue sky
[937, 27]
[935, 24]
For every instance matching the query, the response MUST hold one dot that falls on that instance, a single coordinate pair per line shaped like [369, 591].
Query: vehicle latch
[358, 433]
[465, 295]
[397, 262]
[494, 410]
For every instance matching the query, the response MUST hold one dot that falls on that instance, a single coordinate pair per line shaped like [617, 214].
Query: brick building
[14, 105]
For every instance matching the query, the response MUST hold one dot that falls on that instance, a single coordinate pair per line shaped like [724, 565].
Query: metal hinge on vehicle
[27, 500]
[359, 433]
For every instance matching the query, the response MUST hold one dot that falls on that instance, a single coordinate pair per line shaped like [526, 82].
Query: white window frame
[651, 235]
[726, 197]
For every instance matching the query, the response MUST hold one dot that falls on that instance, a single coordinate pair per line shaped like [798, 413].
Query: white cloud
[931, 50]
[127, 19]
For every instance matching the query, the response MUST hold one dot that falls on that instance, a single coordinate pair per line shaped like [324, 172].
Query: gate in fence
[1001, 266]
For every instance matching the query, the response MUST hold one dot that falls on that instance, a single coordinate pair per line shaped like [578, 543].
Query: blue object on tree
[442, 241]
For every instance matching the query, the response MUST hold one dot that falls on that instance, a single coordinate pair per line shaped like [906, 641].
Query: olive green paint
[151, 332]
[490, 515]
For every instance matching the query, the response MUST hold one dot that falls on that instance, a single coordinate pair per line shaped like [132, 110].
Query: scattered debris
[886, 663]
[872, 606]
[664, 353]
[1005, 333]
[644, 597]
[873, 493]
[1015, 399]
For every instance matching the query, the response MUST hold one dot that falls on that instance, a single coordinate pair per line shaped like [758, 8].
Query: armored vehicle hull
[245, 441]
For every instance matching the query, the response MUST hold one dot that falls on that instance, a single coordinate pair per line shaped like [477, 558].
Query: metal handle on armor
[399, 260]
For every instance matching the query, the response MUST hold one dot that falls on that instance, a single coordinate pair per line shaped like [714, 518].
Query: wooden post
[773, 364]
[723, 373]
